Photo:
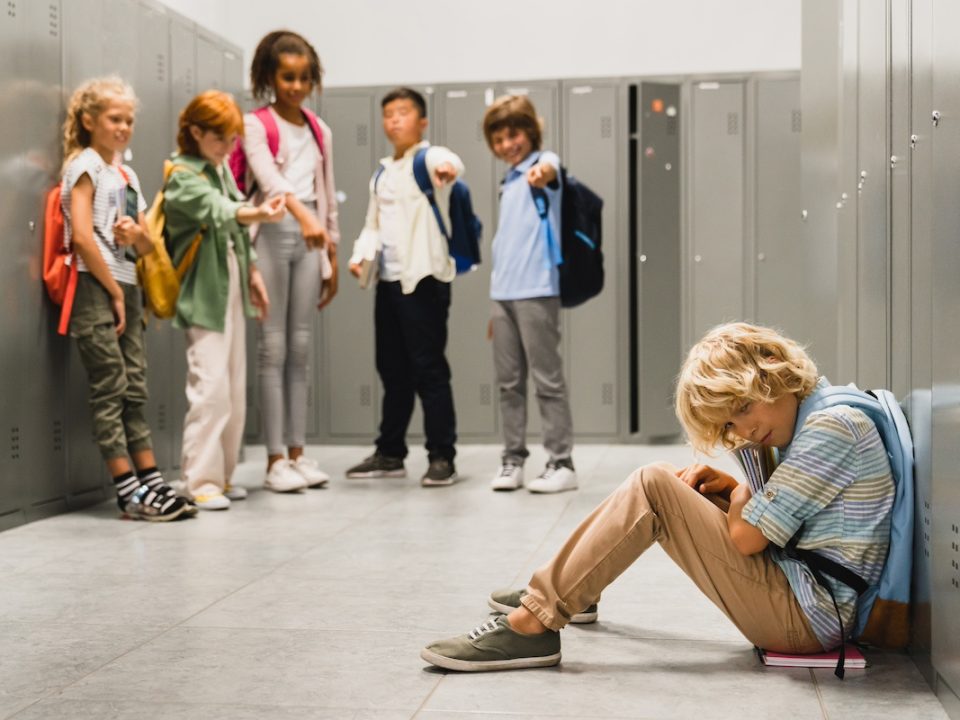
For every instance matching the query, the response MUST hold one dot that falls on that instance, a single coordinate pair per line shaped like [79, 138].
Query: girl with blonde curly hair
[739, 384]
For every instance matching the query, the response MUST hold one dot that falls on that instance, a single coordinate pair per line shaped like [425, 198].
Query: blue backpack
[464, 238]
[883, 609]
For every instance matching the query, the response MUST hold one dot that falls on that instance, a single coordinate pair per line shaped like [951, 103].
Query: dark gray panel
[460, 112]
[593, 125]
[349, 385]
[716, 203]
[82, 19]
[658, 262]
[945, 490]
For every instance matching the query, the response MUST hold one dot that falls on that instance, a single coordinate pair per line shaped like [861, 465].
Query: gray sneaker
[506, 601]
[441, 472]
[494, 645]
[378, 466]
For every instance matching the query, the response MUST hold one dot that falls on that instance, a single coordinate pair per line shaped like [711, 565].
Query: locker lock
[696, 258]
[761, 256]
[643, 258]
[913, 142]
[935, 116]
[32, 225]
[893, 161]
[803, 215]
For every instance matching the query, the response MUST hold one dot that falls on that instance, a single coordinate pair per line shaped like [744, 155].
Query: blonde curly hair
[733, 364]
[91, 99]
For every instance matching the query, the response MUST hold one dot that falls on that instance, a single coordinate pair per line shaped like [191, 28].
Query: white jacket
[424, 251]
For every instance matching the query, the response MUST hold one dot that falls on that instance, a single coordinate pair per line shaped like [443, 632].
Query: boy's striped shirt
[835, 480]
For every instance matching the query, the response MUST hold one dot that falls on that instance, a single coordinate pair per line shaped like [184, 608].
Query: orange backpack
[59, 261]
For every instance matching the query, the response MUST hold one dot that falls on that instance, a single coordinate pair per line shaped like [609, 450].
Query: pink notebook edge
[853, 655]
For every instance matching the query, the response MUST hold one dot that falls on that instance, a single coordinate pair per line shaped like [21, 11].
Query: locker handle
[935, 116]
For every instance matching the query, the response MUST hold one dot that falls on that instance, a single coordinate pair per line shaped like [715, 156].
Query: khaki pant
[116, 366]
[217, 394]
[653, 505]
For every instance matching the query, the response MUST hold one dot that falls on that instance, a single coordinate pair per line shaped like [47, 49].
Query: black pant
[411, 338]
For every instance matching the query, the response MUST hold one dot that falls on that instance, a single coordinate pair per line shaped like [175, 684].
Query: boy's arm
[364, 246]
[747, 538]
[441, 158]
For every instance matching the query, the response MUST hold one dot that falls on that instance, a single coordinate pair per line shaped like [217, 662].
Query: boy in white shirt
[403, 238]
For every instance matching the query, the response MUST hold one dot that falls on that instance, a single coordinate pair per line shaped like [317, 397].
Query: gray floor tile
[75, 709]
[40, 658]
[603, 676]
[10, 705]
[283, 668]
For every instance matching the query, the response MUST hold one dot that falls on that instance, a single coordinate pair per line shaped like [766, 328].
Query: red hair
[210, 110]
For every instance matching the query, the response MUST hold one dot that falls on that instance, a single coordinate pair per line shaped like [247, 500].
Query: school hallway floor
[317, 605]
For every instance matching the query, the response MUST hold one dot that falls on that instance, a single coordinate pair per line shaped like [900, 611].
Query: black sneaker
[441, 472]
[378, 466]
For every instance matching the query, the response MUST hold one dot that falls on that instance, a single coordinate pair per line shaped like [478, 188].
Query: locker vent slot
[162, 416]
[926, 529]
[53, 20]
[14, 443]
[955, 581]
[11, 8]
[486, 394]
[672, 125]
[362, 135]
[606, 394]
[796, 121]
[733, 124]
[366, 396]
[57, 436]
[161, 67]
[606, 127]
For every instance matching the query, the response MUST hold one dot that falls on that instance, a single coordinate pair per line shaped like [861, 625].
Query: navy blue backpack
[581, 257]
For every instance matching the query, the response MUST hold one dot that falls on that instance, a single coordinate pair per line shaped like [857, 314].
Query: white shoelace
[481, 630]
[507, 469]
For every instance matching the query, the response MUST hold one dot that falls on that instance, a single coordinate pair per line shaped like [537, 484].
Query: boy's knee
[654, 480]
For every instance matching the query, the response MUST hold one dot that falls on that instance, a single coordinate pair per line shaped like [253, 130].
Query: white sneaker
[314, 476]
[212, 502]
[180, 488]
[508, 477]
[235, 492]
[283, 477]
[556, 477]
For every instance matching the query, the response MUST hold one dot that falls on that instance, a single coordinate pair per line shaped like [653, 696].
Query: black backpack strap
[820, 566]
[422, 175]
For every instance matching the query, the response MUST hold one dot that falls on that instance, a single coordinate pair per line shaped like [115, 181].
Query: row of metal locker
[880, 185]
[49, 462]
[700, 179]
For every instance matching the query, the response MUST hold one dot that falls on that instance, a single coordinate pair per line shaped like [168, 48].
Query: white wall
[386, 42]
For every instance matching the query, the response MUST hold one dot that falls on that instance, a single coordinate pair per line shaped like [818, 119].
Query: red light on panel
[657, 105]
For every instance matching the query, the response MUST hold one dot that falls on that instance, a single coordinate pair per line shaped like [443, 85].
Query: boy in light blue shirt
[525, 288]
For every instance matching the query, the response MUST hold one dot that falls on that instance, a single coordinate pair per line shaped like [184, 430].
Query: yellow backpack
[158, 278]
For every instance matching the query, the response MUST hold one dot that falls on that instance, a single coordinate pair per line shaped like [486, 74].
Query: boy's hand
[540, 175]
[355, 269]
[708, 480]
[445, 173]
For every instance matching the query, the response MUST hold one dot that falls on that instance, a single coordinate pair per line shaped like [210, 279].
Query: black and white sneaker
[151, 505]
[378, 466]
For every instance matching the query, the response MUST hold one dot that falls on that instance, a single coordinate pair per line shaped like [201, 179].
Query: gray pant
[526, 340]
[291, 274]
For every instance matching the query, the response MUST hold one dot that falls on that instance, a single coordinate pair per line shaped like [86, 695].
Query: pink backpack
[238, 158]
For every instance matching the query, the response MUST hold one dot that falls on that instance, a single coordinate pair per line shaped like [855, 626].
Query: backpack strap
[422, 175]
[314, 123]
[541, 201]
[376, 177]
[266, 119]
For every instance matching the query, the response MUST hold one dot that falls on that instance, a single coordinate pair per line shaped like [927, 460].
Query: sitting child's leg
[653, 505]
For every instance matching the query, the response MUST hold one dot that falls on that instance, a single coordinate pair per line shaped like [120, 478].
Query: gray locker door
[715, 265]
[545, 97]
[786, 270]
[873, 244]
[596, 331]
[349, 379]
[919, 407]
[82, 19]
[209, 62]
[233, 72]
[153, 142]
[42, 351]
[945, 489]
[469, 353]
[119, 41]
[183, 87]
[658, 313]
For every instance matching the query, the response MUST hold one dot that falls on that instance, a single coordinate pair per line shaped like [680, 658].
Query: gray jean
[526, 341]
[291, 274]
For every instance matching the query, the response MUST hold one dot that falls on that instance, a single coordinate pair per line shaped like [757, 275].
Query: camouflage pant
[116, 367]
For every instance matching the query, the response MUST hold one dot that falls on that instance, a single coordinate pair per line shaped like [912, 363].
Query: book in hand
[853, 660]
[757, 463]
[369, 270]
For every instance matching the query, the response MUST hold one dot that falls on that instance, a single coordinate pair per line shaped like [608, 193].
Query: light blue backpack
[883, 609]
